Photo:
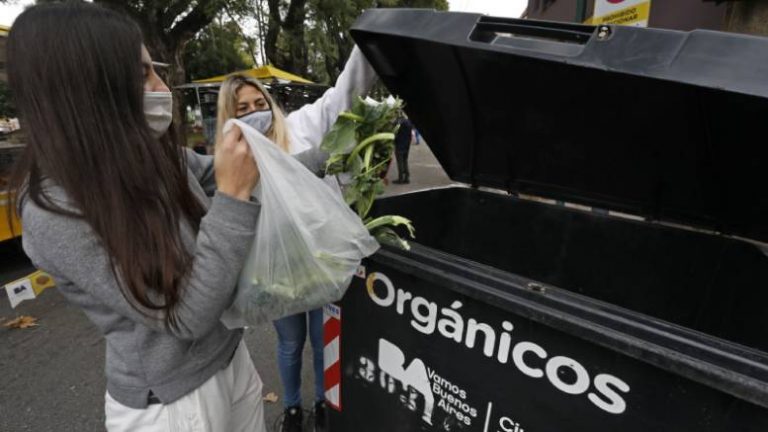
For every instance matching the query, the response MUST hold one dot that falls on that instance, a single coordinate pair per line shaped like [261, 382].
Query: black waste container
[640, 305]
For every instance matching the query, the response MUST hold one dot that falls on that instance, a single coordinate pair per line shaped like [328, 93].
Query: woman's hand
[236, 170]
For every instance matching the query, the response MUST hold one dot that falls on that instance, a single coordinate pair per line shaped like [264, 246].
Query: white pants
[230, 401]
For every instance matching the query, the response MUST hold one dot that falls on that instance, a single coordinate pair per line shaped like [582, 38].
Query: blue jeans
[291, 335]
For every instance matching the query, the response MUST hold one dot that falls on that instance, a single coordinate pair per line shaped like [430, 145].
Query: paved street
[51, 376]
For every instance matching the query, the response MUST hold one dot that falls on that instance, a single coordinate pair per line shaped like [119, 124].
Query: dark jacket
[403, 135]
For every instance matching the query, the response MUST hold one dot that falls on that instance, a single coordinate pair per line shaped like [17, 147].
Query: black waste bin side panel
[699, 281]
[418, 356]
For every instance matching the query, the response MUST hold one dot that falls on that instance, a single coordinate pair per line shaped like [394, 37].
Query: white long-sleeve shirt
[308, 125]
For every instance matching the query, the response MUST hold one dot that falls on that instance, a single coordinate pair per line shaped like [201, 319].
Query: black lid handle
[548, 37]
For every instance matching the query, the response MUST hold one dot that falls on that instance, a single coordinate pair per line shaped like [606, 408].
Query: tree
[284, 41]
[168, 25]
[216, 50]
[296, 28]
[330, 37]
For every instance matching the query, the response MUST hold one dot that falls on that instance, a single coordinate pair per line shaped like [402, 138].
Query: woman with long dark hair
[118, 214]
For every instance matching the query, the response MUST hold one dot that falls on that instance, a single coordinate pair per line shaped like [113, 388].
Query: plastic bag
[308, 242]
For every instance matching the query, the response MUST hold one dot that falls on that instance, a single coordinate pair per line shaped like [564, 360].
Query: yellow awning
[263, 73]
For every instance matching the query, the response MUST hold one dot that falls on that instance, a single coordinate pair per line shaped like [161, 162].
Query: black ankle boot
[293, 418]
[321, 418]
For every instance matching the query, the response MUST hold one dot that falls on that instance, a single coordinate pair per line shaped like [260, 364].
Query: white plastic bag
[308, 241]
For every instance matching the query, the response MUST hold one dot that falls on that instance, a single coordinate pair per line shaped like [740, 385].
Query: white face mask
[259, 120]
[158, 109]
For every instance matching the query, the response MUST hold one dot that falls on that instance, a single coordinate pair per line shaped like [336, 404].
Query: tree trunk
[747, 16]
[293, 29]
[285, 44]
[274, 23]
[344, 45]
[262, 34]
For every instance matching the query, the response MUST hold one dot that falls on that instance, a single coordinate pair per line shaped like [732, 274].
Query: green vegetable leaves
[391, 221]
[361, 143]
[341, 138]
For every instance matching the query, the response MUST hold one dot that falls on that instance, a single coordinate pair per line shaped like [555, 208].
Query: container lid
[669, 125]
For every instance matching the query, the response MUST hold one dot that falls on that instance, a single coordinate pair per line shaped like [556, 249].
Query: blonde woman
[299, 133]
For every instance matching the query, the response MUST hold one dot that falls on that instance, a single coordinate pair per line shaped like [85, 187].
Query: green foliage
[360, 145]
[218, 49]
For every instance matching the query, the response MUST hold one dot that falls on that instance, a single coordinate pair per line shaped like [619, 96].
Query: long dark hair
[77, 80]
